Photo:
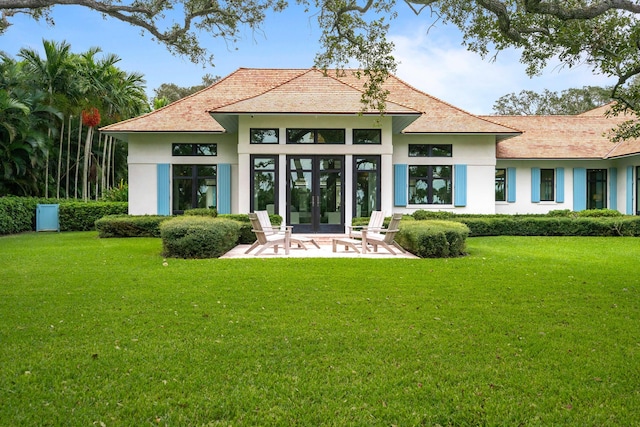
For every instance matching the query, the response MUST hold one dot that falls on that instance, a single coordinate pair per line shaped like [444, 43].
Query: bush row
[433, 239]
[18, 214]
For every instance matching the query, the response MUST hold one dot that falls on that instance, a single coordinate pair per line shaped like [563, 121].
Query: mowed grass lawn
[523, 331]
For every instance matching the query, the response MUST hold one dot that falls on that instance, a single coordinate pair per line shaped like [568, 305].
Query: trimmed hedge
[130, 225]
[433, 239]
[198, 237]
[18, 214]
[246, 235]
[202, 212]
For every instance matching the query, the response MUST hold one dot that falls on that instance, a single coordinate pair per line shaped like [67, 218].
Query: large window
[430, 185]
[501, 185]
[194, 186]
[547, 185]
[315, 136]
[264, 179]
[367, 136]
[366, 190]
[194, 149]
[596, 188]
[264, 136]
[430, 150]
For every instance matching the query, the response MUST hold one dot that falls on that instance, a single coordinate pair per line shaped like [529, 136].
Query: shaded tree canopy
[604, 34]
[167, 93]
[570, 101]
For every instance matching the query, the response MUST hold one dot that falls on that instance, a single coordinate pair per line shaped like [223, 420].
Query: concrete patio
[325, 251]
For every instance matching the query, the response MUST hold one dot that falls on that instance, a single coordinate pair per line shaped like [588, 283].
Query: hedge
[130, 225]
[433, 239]
[246, 235]
[18, 214]
[198, 236]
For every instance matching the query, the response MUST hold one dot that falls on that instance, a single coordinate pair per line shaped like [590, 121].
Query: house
[297, 142]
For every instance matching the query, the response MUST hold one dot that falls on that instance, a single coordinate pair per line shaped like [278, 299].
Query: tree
[569, 101]
[167, 93]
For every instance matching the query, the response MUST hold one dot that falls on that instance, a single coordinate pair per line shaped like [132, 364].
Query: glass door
[596, 188]
[315, 194]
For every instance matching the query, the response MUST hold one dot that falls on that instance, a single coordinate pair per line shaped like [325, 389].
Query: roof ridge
[303, 72]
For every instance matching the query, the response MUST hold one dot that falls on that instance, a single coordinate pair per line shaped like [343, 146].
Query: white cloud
[438, 64]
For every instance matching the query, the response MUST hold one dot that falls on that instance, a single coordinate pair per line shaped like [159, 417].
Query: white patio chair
[375, 224]
[384, 237]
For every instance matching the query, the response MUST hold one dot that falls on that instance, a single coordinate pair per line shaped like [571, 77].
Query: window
[430, 185]
[596, 188]
[195, 149]
[264, 136]
[430, 150]
[501, 185]
[194, 186]
[547, 185]
[315, 136]
[366, 191]
[264, 179]
[367, 136]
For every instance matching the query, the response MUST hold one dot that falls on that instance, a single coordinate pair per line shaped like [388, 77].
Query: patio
[325, 251]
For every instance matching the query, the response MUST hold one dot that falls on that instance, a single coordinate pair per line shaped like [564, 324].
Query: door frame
[316, 226]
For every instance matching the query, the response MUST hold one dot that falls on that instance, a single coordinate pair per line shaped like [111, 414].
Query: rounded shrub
[202, 212]
[198, 237]
[130, 225]
[434, 239]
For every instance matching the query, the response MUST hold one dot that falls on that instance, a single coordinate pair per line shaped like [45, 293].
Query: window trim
[504, 184]
[429, 150]
[315, 132]
[353, 135]
[378, 172]
[195, 152]
[551, 183]
[430, 195]
[277, 131]
[194, 181]
[276, 181]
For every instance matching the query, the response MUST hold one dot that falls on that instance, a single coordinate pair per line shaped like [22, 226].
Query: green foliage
[246, 235]
[167, 93]
[202, 212]
[433, 239]
[422, 214]
[569, 102]
[198, 237]
[82, 216]
[120, 193]
[599, 213]
[17, 214]
[130, 225]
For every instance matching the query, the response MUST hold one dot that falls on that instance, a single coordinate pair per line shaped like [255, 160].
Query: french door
[315, 196]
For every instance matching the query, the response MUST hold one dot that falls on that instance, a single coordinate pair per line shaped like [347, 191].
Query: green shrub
[119, 193]
[82, 216]
[198, 237]
[246, 235]
[421, 214]
[202, 212]
[130, 225]
[433, 239]
[17, 214]
[598, 213]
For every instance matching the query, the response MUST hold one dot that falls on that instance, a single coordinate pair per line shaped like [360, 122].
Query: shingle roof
[584, 136]
[302, 91]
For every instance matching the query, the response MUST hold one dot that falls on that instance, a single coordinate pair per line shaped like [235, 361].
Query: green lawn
[523, 331]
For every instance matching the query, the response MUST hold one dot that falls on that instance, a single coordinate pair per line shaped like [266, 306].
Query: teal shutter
[511, 185]
[224, 188]
[400, 185]
[629, 190]
[613, 188]
[535, 185]
[164, 188]
[579, 189]
[460, 185]
[560, 185]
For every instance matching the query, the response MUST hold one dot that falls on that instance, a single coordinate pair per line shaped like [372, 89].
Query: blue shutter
[579, 189]
[560, 185]
[613, 188]
[511, 185]
[535, 185]
[400, 185]
[460, 185]
[164, 188]
[629, 190]
[224, 188]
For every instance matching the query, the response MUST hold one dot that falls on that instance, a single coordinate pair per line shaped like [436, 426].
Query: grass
[523, 331]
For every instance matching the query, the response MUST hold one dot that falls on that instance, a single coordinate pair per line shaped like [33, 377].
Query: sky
[430, 54]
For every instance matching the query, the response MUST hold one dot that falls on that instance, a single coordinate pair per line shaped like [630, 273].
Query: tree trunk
[75, 193]
[68, 159]
[86, 164]
[60, 159]
[104, 163]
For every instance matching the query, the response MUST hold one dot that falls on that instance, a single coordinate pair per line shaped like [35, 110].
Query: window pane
[367, 136]
[182, 149]
[181, 194]
[418, 150]
[366, 164]
[501, 180]
[206, 193]
[546, 185]
[441, 150]
[367, 179]
[331, 136]
[300, 136]
[207, 149]
[264, 191]
[264, 136]
[182, 170]
[264, 163]
[206, 171]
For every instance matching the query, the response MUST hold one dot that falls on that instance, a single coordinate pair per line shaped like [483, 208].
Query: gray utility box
[47, 218]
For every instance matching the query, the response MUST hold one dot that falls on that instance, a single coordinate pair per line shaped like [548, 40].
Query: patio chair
[384, 237]
[268, 239]
[265, 224]
[375, 224]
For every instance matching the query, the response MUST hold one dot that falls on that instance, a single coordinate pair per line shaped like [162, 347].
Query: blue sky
[431, 57]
